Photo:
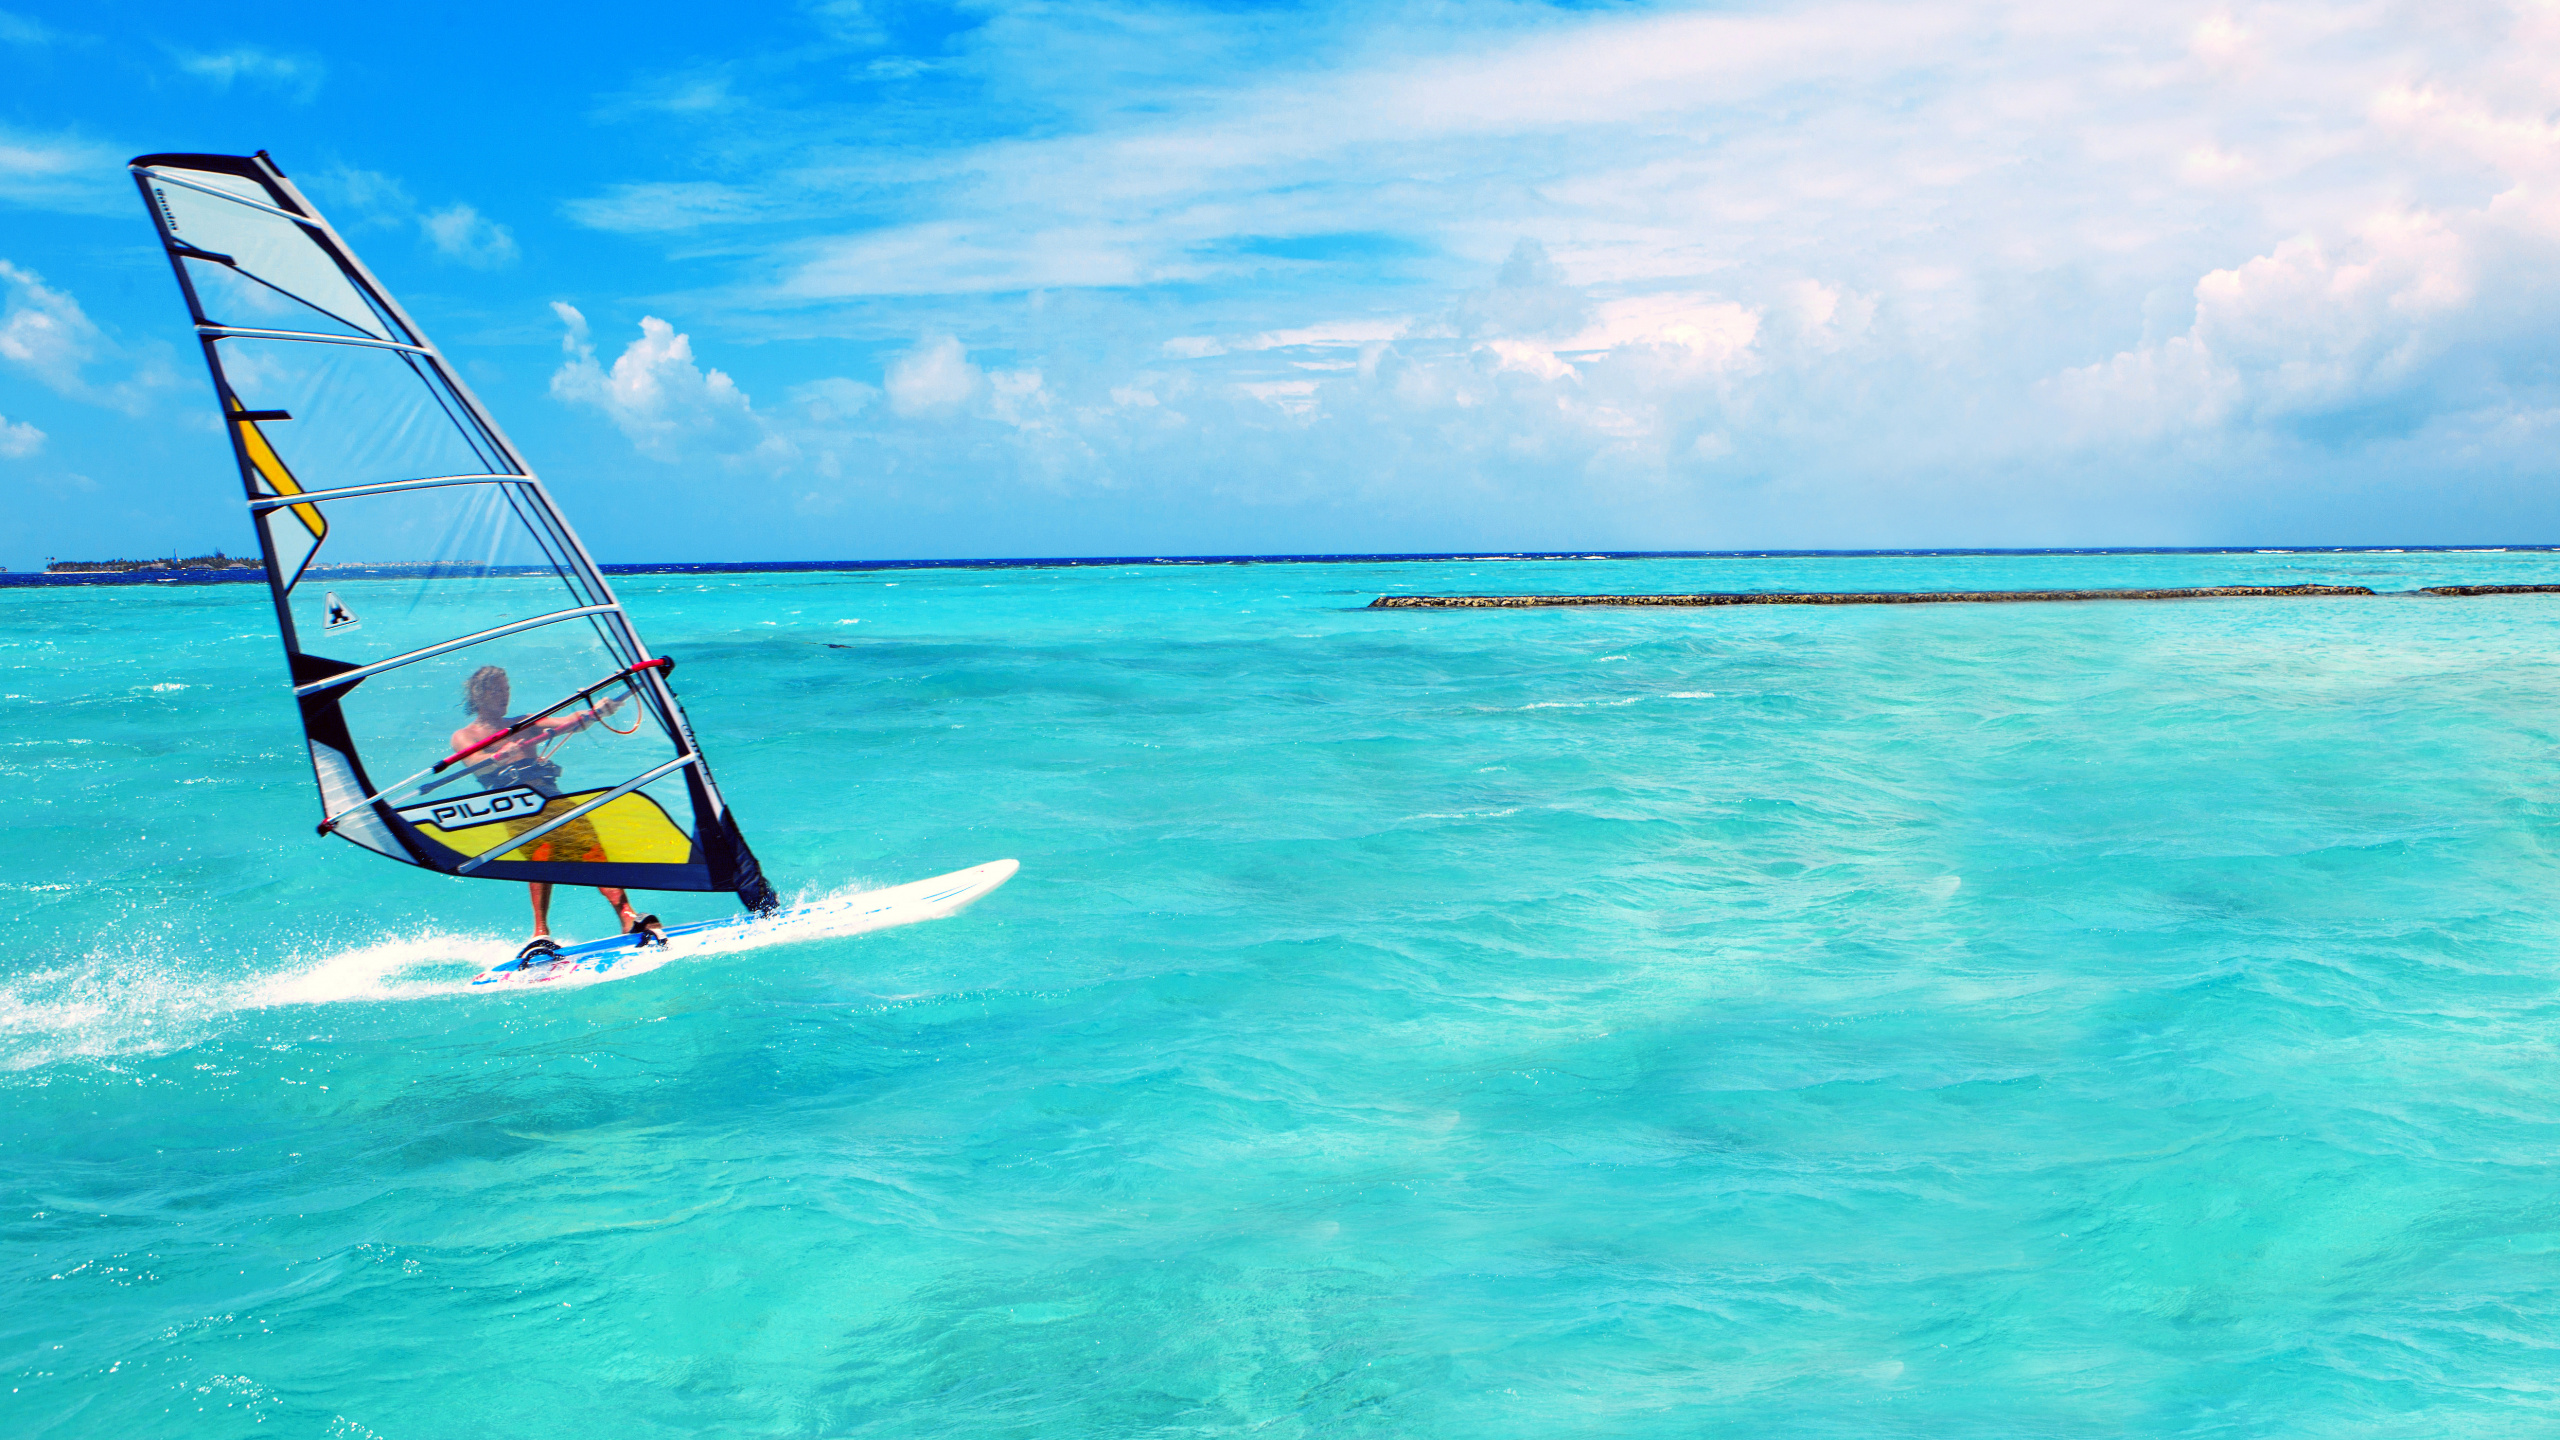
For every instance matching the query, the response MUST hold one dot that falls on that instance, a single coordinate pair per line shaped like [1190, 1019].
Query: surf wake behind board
[818, 920]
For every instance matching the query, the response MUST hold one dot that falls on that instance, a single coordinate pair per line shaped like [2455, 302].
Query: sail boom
[387, 487]
[349, 677]
[402, 787]
[555, 822]
[234, 332]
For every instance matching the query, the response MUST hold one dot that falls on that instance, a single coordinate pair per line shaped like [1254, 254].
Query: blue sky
[842, 280]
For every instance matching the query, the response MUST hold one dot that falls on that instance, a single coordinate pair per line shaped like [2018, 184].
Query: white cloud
[667, 205]
[1908, 133]
[849, 21]
[1294, 397]
[377, 198]
[62, 173]
[46, 335]
[1719, 332]
[18, 29]
[298, 76]
[703, 92]
[44, 331]
[835, 398]
[1823, 319]
[1136, 204]
[457, 232]
[1529, 298]
[2301, 332]
[670, 407]
[955, 259]
[18, 439]
[463, 234]
[2324, 330]
[1322, 334]
[1534, 357]
[934, 378]
[1019, 398]
[2211, 164]
[1825, 265]
[2219, 40]
[1528, 359]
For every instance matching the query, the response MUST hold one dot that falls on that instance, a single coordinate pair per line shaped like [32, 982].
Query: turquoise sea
[2057, 1020]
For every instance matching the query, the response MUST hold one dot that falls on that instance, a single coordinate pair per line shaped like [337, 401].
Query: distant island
[215, 561]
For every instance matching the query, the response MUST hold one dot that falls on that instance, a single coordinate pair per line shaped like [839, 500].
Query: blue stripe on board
[754, 567]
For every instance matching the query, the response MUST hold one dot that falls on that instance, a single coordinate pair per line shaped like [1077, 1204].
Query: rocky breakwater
[1910, 597]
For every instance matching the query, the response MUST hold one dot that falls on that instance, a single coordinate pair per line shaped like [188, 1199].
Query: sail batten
[236, 332]
[423, 578]
[349, 492]
[171, 178]
[430, 652]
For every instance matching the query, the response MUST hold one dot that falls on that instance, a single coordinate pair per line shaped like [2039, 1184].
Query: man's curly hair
[485, 693]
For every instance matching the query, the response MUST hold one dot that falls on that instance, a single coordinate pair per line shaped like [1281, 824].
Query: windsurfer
[518, 760]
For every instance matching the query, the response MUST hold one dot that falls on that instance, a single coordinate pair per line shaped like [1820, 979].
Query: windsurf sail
[439, 615]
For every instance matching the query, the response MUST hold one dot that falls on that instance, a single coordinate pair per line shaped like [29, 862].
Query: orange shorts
[574, 843]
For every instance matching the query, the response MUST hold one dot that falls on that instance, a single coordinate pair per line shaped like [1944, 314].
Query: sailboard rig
[440, 618]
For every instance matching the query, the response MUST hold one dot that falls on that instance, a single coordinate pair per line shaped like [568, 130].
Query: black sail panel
[475, 699]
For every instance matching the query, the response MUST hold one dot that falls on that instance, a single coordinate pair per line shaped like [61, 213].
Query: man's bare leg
[619, 899]
[540, 946]
[632, 919]
[628, 914]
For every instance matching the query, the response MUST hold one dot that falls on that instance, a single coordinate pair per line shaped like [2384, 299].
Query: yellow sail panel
[293, 551]
[278, 479]
[631, 830]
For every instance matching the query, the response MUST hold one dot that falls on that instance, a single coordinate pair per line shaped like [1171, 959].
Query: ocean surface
[2053, 1020]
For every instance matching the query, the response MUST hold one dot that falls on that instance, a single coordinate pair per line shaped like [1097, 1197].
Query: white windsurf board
[840, 915]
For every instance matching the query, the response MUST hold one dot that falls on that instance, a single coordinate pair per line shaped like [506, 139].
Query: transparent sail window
[279, 252]
[400, 572]
[235, 298]
[408, 718]
[360, 416]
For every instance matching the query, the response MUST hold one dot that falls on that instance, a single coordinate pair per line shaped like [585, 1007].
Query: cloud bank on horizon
[1137, 278]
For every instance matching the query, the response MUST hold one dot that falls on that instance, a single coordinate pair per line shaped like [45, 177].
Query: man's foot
[537, 950]
[648, 928]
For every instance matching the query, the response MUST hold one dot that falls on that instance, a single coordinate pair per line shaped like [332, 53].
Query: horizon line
[242, 575]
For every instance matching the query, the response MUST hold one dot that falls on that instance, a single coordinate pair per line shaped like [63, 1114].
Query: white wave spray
[142, 1000]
